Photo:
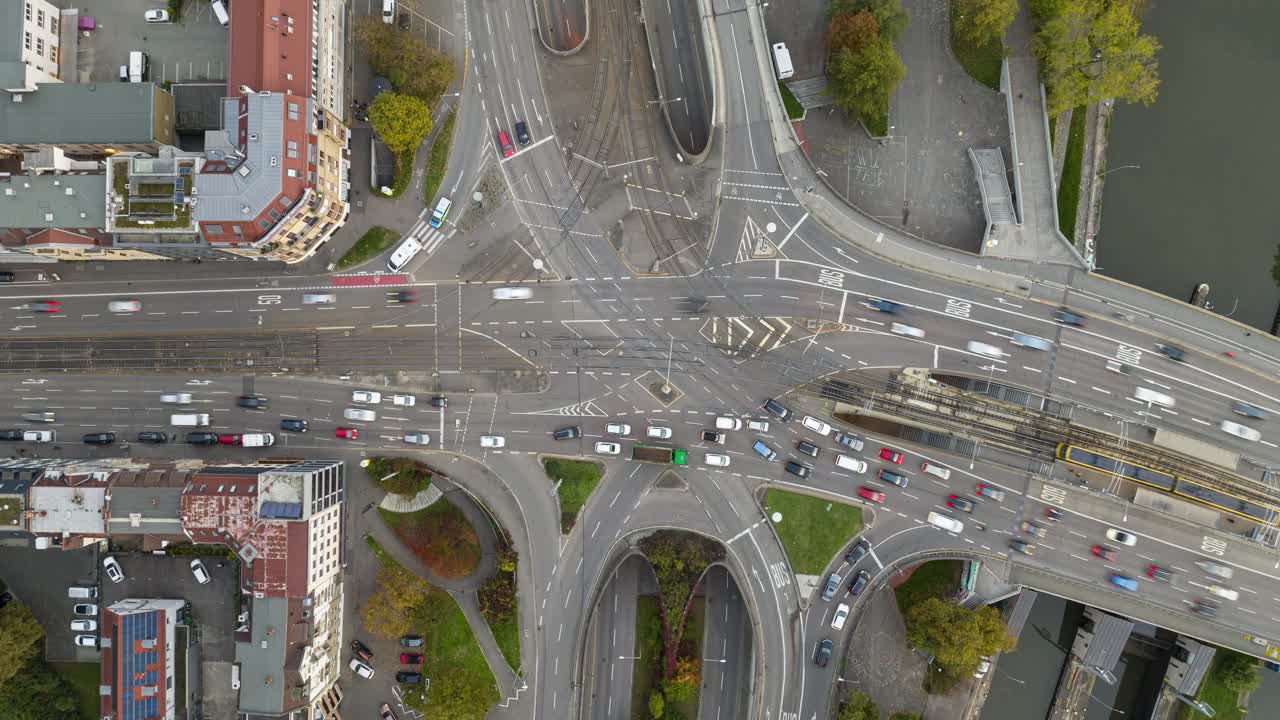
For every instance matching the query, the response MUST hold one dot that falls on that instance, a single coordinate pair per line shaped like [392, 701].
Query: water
[1202, 206]
[1026, 678]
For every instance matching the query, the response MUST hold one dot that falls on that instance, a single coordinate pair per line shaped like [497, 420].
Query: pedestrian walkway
[396, 503]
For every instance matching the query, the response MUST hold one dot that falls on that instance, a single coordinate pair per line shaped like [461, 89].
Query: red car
[410, 659]
[1105, 553]
[892, 456]
[1053, 513]
[44, 306]
[225, 439]
[873, 495]
[504, 142]
[348, 433]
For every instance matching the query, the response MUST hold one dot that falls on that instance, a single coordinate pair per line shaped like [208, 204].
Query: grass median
[934, 579]
[578, 479]
[1072, 168]
[795, 110]
[982, 62]
[812, 529]
[374, 241]
[438, 161]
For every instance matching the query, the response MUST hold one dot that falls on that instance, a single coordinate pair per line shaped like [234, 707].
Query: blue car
[884, 306]
[1125, 582]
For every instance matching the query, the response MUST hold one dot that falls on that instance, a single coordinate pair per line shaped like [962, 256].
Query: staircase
[811, 92]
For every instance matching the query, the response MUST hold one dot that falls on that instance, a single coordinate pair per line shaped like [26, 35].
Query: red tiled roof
[271, 46]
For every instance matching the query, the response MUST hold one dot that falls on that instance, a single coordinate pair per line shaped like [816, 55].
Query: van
[1153, 397]
[220, 12]
[782, 61]
[945, 522]
[138, 66]
[189, 419]
[82, 592]
[936, 470]
[764, 450]
[1226, 593]
[441, 212]
[257, 440]
[178, 398]
[403, 254]
[1240, 431]
[359, 414]
[1214, 568]
[1030, 341]
[849, 463]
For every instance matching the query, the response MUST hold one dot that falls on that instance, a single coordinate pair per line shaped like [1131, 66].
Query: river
[1201, 206]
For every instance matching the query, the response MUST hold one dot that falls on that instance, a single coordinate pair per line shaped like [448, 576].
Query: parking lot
[193, 49]
[40, 579]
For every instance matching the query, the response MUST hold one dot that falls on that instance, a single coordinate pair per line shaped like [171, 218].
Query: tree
[389, 612]
[958, 638]
[405, 59]
[983, 22]
[862, 80]
[678, 560]
[400, 120]
[20, 635]
[37, 692]
[859, 706]
[657, 705]
[1090, 50]
[890, 15]
[1237, 671]
[683, 683]
[852, 31]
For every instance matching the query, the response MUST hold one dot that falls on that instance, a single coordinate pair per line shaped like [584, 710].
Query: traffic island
[440, 536]
[575, 480]
[664, 392]
[498, 603]
[812, 529]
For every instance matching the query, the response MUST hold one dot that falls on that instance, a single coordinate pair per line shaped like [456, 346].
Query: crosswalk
[746, 336]
[430, 238]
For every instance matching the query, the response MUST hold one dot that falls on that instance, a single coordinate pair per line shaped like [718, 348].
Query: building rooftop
[271, 46]
[74, 510]
[262, 659]
[138, 510]
[13, 72]
[62, 113]
[53, 201]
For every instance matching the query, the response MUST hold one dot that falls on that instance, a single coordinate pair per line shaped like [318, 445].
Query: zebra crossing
[430, 238]
[746, 336]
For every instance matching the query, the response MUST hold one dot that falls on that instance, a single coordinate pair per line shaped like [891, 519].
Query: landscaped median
[374, 241]
[577, 479]
[812, 529]
[438, 160]
[499, 604]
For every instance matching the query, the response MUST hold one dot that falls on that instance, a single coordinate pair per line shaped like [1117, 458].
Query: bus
[403, 254]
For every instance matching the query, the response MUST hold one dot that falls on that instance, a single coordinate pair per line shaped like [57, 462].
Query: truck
[660, 455]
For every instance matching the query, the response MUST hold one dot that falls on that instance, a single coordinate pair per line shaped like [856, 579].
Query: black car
[408, 677]
[859, 583]
[858, 552]
[10, 434]
[564, 433]
[522, 132]
[800, 470]
[439, 401]
[1171, 352]
[808, 448]
[202, 438]
[6, 276]
[713, 436]
[255, 402]
[100, 438]
[777, 409]
[403, 296]
[152, 436]
[362, 651]
[960, 503]
[822, 655]
[1066, 317]
[293, 425]
[411, 640]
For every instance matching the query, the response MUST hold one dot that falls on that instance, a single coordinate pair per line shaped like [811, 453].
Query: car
[6, 276]
[808, 448]
[176, 398]
[40, 417]
[853, 442]
[417, 438]
[359, 414]
[842, 614]
[851, 463]
[156, 16]
[764, 451]
[990, 491]
[716, 459]
[408, 677]
[833, 584]
[492, 441]
[87, 641]
[1066, 317]
[608, 448]
[522, 132]
[946, 522]
[362, 651]
[512, 293]
[384, 712]
[778, 410]
[981, 348]
[1155, 572]
[857, 552]
[960, 503]
[403, 296]
[439, 401]
[11, 434]
[936, 470]
[253, 402]
[201, 438]
[361, 669]
[1249, 411]
[908, 330]
[1124, 581]
[84, 625]
[892, 456]
[1031, 341]
[40, 436]
[1031, 528]
[293, 425]
[1214, 568]
[1053, 513]
[1022, 546]
[44, 306]
[1223, 592]
[228, 439]
[867, 493]
[890, 476]
[1122, 537]
[983, 668]
[884, 306]
[366, 397]
[99, 438]
[822, 655]
[567, 433]
[347, 433]
[410, 659]
[504, 144]
[800, 470]
[619, 429]
[152, 436]
[85, 609]
[198, 569]
[404, 400]
[816, 425]
[859, 583]
[1241, 431]
[724, 422]
[124, 306]
[713, 436]
[411, 641]
[1103, 552]
[112, 568]
[1172, 352]
[1200, 607]
[319, 299]
[658, 431]
[758, 425]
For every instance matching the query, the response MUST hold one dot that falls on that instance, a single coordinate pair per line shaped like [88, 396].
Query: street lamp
[659, 101]
[1122, 167]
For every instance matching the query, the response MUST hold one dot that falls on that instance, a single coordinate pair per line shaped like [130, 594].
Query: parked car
[411, 641]
[384, 710]
[202, 438]
[410, 659]
[99, 438]
[87, 641]
[84, 625]
[361, 669]
[362, 651]
[408, 677]
[156, 16]
[113, 570]
[88, 609]
[152, 436]
[199, 571]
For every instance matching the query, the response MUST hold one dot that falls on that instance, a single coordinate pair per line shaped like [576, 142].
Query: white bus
[782, 59]
[403, 254]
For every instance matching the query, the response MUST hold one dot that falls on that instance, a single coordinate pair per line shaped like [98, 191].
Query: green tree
[683, 684]
[1237, 671]
[405, 59]
[389, 612]
[657, 705]
[957, 637]
[678, 560]
[38, 692]
[890, 15]
[984, 21]
[402, 121]
[20, 635]
[859, 706]
[852, 31]
[1090, 50]
[861, 81]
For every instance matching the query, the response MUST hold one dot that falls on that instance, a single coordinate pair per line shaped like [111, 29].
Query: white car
[181, 398]
[980, 348]
[87, 641]
[1241, 431]
[842, 614]
[319, 299]
[124, 306]
[492, 441]
[851, 463]
[361, 669]
[368, 397]
[84, 625]
[418, 438]
[946, 522]
[359, 414]
[1222, 592]
[85, 609]
[816, 425]
[724, 422]
[404, 400]
[758, 425]
[202, 575]
[1121, 537]
[512, 293]
[900, 329]
[658, 431]
[156, 16]
[716, 459]
[37, 436]
[113, 569]
[619, 429]
[608, 448]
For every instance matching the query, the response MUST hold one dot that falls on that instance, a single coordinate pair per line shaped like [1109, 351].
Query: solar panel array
[134, 661]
